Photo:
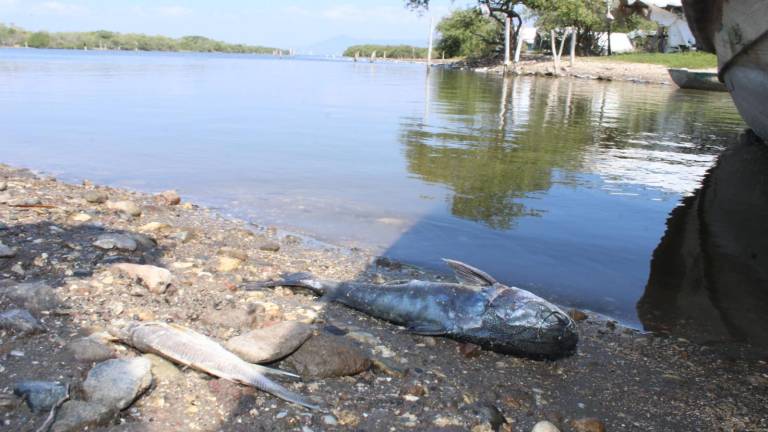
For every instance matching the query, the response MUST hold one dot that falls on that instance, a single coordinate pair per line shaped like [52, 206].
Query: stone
[271, 343]
[116, 241]
[76, 415]
[577, 315]
[155, 279]
[5, 197]
[162, 369]
[7, 252]
[233, 253]
[155, 226]
[144, 241]
[587, 425]
[3, 186]
[96, 197]
[544, 426]
[270, 247]
[228, 264]
[250, 317]
[127, 207]
[81, 217]
[25, 202]
[486, 413]
[89, 350]
[20, 321]
[34, 296]
[169, 197]
[41, 396]
[326, 356]
[117, 383]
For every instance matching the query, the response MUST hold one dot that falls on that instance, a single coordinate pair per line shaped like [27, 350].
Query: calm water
[559, 186]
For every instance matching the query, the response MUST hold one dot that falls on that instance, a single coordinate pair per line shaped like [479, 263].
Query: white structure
[620, 42]
[669, 14]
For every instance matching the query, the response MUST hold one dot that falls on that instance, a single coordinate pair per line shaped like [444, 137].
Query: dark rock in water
[41, 396]
[270, 247]
[89, 350]
[75, 416]
[96, 197]
[21, 322]
[116, 241]
[487, 413]
[116, 383]
[34, 296]
[6, 252]
[587, 425]
[270, 343]
[325, 356]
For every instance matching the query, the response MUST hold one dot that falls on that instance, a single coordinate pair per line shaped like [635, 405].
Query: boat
[696, 80]
[737, 31]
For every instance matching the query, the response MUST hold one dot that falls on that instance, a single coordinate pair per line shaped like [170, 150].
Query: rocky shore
[78, 260]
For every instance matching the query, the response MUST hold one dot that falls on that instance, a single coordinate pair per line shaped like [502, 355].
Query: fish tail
[302, 280]
[265, 384]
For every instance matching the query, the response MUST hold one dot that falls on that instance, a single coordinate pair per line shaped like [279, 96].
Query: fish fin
[427, 329]
[276, 372]
[265, 384]
[467, 274]
[302, 280]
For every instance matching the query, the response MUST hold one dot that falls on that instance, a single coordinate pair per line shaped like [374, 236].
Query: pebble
[81, 217]
[330, 420]
[116, 383]
[326, 356]
[41, 396]
[5, 197]
[249, 317]
[577, 315]
[233, 253]
[228, 264]
[6, 252]
[3, 186]
[21, 322]
[545, 426]
[169, 197]
[270, 247]
[270, 343]
[155, 226]
[33, 296]
[89, 350]
[96, 197]
[128, 207]
[155, 279]
[28, 201]
[587, 425]
[116, 241]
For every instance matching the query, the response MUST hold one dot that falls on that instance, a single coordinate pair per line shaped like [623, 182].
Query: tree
[39, 40]
[466, 33]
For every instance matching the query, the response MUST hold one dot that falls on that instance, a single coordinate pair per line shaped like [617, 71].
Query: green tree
[39, 40]
[467, 33]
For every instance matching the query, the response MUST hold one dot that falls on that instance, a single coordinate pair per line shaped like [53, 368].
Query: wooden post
[554, 51]
[573, 45]
[507, 30]
[518, 47]
[431, 33]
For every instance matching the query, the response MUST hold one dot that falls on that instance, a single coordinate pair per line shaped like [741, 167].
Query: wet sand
[623, 378]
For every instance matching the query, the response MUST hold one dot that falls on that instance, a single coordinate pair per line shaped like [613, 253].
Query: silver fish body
[479, 310]
[190, 348]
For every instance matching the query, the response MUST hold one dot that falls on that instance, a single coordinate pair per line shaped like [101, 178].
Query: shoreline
[622, 378]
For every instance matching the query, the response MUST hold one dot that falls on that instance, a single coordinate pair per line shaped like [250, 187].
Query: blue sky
[288, 24]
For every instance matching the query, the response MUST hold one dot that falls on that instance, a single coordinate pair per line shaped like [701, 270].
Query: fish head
[529, 324]
[124, 332]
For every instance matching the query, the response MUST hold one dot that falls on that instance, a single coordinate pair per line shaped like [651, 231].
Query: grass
[690, 60]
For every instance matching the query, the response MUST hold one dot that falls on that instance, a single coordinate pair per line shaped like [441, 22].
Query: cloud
[173, 11]
[60, 8]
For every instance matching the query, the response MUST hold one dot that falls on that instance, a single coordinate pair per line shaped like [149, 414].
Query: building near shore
[668, 14]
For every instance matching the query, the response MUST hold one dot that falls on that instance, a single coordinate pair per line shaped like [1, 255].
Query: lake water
[562, 187]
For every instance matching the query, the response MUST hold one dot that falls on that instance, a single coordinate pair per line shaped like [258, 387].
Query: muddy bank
[61, 288]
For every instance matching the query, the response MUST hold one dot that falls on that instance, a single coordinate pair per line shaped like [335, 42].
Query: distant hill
[337, 45]
[12, 36]
[388, 51]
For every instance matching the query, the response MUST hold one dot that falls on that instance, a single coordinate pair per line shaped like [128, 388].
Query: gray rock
[169, 197]
[162, 369]
[325, 356]
[21, 322]
[41, 396]
[76, 416]
[6, 252]
[26, 201]
[127, 207]
[544, 426]
[270, 343]
[3, 226]
[117, 383]
[156, 279]
[235, 318]
[34, 296]
[233, 253]
[144, 241]
[116, 241]
[182, 236]
[88, 350]
[96, 197]
[270, 247]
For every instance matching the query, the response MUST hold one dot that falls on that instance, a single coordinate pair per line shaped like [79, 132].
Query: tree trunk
[555, 57]
[573, 46]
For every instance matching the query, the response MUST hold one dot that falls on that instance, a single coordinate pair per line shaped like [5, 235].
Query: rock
[116, 241]
[486, 413]
[21, 322]
[41, 396]
[96, 197]
[325, 356]
[577, 315]
[182, 236]
[127, 207]
[75, 416]
[364, 338]
[587, 425]
[250, 317]
[270, 247]
[25, 202]
[35, 296]
[233, 253]
[544, 426]
[169, 197]
[156, 279]
[81, 217]
[271, 343]
[162, 369]
[5, 197]
[144, 241]
[228, 264]
[155, 226]
[3, 186]
[117, 383]
[330, 420]
[89, 350]
[7, 252]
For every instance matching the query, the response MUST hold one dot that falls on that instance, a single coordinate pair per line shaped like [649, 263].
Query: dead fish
[478, 310]
[190, 348]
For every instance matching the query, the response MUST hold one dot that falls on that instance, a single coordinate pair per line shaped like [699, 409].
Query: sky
[285, 24]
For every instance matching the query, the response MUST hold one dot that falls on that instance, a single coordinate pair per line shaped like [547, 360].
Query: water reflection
[709, 274]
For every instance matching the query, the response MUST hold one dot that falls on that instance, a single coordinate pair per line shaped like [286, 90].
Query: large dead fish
[190, 348]
[479, 310]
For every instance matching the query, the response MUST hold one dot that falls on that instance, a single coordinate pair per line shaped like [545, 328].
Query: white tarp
[620, 42]
[658, 3]
[528, 34]
[678, 30]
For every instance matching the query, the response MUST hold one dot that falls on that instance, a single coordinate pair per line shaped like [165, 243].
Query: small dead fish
[478, 310]
[190, 348]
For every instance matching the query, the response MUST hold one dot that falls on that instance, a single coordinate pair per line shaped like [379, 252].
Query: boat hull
[696, 80]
